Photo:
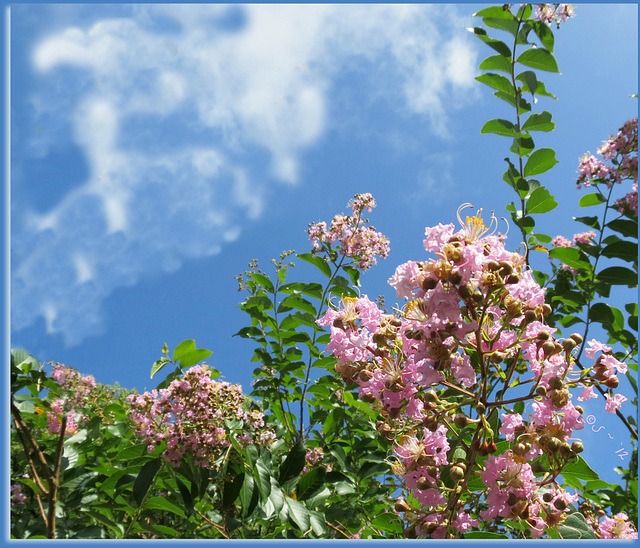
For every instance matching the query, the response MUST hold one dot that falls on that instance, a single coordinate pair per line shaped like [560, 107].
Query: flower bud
[460, 420]
[560, 504]
[480, 408]
[456, 473]
[556, 382]
[432, 471]
[546, 309]
[456, 277]
[530, 316]
[429, 283]
[491, 447]
[401, 506]
[541, 390]
[365, 375]
[579, 409]
[577, 338]
[548, 349]
[338, 323]
[410, 532]
[547, 497]
[543, 336]
[431, 396]
[512, 279]
[432, 425]
[379, 338]
[519, 449]
[568, 345]
[423, 483]
[612, 381]
[368, 398]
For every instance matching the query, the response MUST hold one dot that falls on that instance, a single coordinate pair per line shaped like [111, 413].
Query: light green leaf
[319, 262]
[496, 62]
[183, 349]
[539, 58]
[194, 357]
[497, 81]
[540, 201]
[540, 161]
[595, 198]
[158, 365]
[570, 256]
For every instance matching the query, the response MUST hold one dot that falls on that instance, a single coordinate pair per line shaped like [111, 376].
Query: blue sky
[157, 149]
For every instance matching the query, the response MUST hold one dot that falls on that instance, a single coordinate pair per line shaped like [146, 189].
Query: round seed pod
[556, 383]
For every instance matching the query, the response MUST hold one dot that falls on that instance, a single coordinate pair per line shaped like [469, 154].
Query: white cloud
[165, 105]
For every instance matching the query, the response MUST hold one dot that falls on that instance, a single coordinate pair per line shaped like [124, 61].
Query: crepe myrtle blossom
[472, 312]
[621, 150]
[352, 236]
[618, 527]
[189, 417]
[550, 13]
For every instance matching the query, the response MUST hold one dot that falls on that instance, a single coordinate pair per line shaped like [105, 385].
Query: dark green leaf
[624, 227]
[187, 499]
[540, 161]
[231, 490]
[262, 478]
[627, 251]
[309, 483]
[591, 222]
[145, 479]
[497, 45]
[161, 503]
[540, 201]
[619, 275]
[500, 127]
[529, 78]
[293, 464]
[494, 11]
[296, 302]
[539, 122]
[538, 58]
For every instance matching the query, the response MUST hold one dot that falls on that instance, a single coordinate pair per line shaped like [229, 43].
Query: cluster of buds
[474, 321]
[190, 416]
[352, 236]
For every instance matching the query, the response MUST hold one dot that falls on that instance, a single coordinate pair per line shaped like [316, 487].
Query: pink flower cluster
[77, 393]
[622, 151]
[474, 315]
[17, 495]
[189, 416]
[351, 234]
[548, 13]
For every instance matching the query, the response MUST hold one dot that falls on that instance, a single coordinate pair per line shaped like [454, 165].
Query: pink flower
[613, 402]
[509, 423]
[595, 346]
[587, 393]
[617, 527]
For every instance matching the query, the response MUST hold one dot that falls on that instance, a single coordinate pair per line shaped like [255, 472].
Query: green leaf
[309, 483]
[619, 275]
[591, 221]
[570, 256]
[484, 535]
[539, 122]
[530, 81]
[579, 470]
[262, 478]
[624, 227]
[296, 302]
[319, 262]
[494, 11]
[595, 198]
[262, 281]
[497, 45]
[538, 58]
[298, 514]
[161, 503]
[497, 81]
[145, 479]
[544, 33]
[194, 357]
[231, 490]
[334, 421]
[187, 499]
[627, 251]
[158, 365]
[293, 464]
[522, 144]
[388, 522]
[540, 201]
[496, 62]
[249, 496]
[183, 349]
[499, 127]
[540, 161]
[575, 527]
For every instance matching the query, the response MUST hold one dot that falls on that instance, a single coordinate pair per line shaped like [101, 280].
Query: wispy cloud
[167, 104]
